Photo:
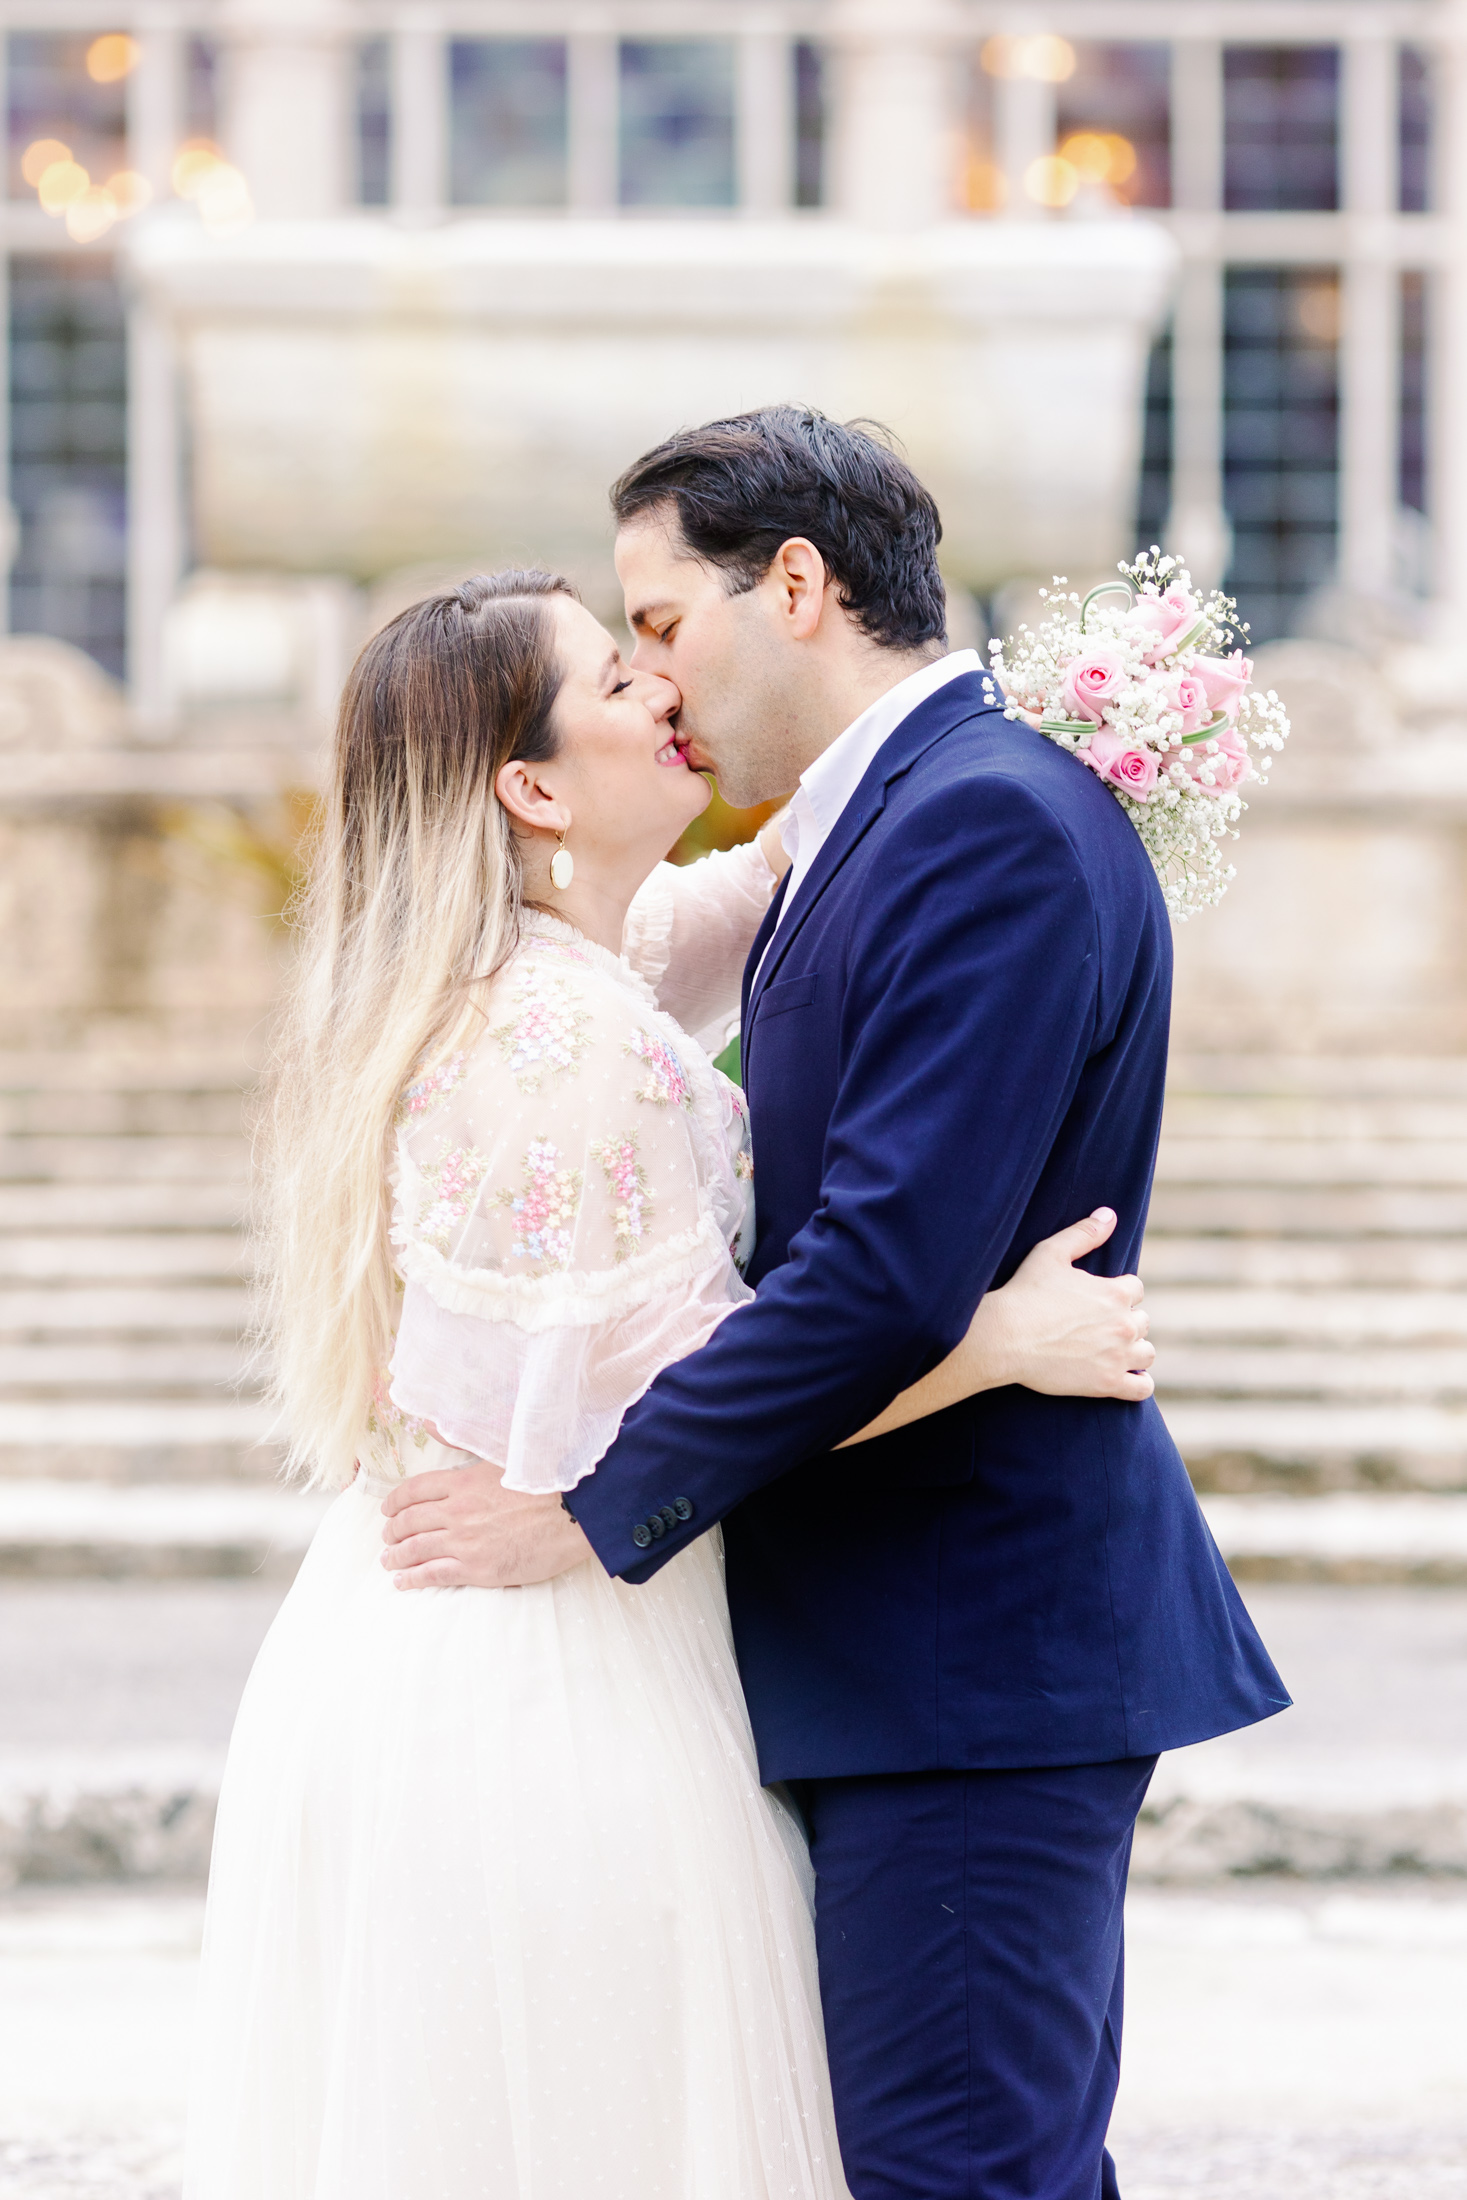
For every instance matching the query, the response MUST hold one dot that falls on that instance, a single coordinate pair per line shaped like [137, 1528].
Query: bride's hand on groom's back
[1068, 1333]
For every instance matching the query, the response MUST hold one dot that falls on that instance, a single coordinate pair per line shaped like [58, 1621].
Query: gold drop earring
[562, 866]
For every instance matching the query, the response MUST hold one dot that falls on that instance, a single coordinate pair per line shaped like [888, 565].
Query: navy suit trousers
[970, 1936]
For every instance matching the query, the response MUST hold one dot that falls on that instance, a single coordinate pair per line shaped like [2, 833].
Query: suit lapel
[961, 699]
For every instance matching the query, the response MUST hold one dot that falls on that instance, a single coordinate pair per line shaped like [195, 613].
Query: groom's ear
[799, 579]
[520, 792]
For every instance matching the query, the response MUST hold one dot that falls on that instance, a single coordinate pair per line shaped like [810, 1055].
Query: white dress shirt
[832, 779]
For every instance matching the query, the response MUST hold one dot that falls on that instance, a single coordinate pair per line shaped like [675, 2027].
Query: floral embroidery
[426, 1091]
[386, 1418]
[667, 1081]
[565, 950]
[549, 1032]
[454, 1181]
[744, 1166]
[546, 1209]
[627, 1180]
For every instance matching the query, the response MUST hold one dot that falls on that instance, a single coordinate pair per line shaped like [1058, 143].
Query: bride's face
[620, 770]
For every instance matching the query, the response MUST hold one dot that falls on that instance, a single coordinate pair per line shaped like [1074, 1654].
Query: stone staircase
[1306, 1268]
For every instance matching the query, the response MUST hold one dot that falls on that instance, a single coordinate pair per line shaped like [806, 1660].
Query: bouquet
[1154, 694]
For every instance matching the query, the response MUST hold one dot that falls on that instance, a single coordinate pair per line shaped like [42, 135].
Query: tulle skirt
[498, 1908]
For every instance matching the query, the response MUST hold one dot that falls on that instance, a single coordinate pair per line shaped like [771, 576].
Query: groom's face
[722, 651]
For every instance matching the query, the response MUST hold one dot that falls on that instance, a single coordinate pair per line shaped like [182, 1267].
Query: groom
[963, 1645]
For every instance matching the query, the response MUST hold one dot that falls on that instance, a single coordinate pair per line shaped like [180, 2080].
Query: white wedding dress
[498, 1907]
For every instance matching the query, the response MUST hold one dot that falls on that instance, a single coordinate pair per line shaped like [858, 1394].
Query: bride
[498, 1906]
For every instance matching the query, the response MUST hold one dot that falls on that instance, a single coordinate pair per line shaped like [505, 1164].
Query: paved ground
[1283, 2044]
[1286, 2040]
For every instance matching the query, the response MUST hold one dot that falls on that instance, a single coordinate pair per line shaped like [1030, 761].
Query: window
[68, 453]
[1281, 438]
[507, 122]
[1114, 116]
[1415, 121]
[53, 97]
[1282, 121]
[677, 122]
[809, 126]
[1154, 498]
[374, 122]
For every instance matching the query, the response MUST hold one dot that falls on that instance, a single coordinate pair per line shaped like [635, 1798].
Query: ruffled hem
[572, 1299]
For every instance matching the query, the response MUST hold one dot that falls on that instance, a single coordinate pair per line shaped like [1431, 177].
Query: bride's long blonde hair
[411, 900]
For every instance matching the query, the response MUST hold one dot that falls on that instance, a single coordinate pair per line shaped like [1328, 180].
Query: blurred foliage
[722, 826]
[266, 845]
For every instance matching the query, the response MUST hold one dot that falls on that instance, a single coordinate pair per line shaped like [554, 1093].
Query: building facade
[1303, 157]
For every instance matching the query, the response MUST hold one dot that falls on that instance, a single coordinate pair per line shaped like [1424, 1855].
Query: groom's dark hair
[741, 487]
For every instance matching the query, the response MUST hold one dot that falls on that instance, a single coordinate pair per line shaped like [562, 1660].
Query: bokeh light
[986, 186]
[1046, 59]
[1100, 156]
[112, 57]
[91, 216]
[40, 156]
[62, 184]
[130, 191]
[1051, 181]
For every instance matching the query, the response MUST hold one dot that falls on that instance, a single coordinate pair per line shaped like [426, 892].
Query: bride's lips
[673, 755]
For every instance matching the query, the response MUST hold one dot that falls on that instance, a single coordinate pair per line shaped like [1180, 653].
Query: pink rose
[1186, 698]
[1228, 765]
[1133, 770]
[1225, 680]
[1162, 620]
[1093, 680]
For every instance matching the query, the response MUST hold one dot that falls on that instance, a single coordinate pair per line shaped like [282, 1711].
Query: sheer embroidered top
[572, 1188]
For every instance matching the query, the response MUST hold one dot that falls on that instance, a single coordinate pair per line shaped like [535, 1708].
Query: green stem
[1205, 733]
[1066, 725]
[1106, 588]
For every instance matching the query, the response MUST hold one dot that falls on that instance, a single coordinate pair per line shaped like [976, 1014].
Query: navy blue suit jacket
[956, 1045]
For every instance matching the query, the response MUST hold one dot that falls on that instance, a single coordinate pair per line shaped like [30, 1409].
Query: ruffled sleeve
[689, 931]
[559, 1224]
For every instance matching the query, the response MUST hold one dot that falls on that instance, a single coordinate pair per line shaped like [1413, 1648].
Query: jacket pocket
[786, 993]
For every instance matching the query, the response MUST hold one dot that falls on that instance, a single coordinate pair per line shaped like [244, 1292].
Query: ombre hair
[412, 901]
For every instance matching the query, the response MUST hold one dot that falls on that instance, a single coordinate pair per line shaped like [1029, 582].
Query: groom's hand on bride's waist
[462, 1529]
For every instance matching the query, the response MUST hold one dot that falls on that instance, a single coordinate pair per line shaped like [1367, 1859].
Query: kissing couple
[569, 1874]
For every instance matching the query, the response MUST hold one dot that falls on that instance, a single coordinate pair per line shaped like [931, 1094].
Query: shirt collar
[835, 775]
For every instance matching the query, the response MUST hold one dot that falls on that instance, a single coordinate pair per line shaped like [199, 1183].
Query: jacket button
[669, 1514]
[641, 1535]
[656, 1525]
[683, 1507]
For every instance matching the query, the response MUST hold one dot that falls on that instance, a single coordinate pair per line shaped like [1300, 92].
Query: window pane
[1281, 443]
[810, 126]
[1282, 110]
[677, 122]
[52, 96]
[1415, 128]
[1414, 307]
[1118, 104]
[68, 453]
[201, 88]
[1155, 494]
[374, 122]
[507, 122]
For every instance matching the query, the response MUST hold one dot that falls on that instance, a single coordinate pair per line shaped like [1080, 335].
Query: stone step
[1351, 1077]
[1246, 1443]
[190, 1364]
[26, 1208]
[112, 1311]
[108, 1114]
[1326, 1162]
[1306, 1210]
[122, 1257]
[56, 1529]
[1435, 1264]
[1182, 1313]
[1405, 1373]
[145, 1529]
[1198, 1116]
[105, 1161]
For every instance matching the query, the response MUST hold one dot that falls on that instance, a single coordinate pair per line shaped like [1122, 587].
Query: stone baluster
[288, 113]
